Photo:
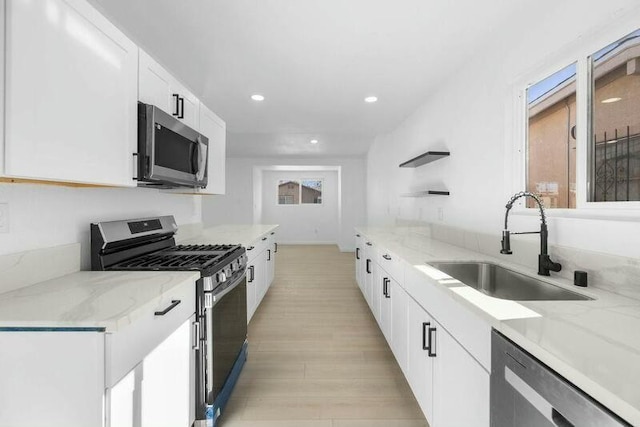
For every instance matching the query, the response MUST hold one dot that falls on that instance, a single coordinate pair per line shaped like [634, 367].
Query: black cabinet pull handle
[357, 253]
[384, 287]
[387, 293]
[252, 275]
[368, 268]
[369, 244]
[431, 335]
[275, 248]
[177, 97]
[387, 257]
[173, 305]
[250, 248]
[273, 232]
[357, 235]
[425, 326]
[181, 103]
[268, 254]
[264, 238]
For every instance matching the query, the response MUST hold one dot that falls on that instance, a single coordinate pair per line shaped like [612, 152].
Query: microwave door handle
[203, 156]
[193, 155]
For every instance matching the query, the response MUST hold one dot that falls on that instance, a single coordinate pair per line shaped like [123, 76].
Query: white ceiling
[313, 60]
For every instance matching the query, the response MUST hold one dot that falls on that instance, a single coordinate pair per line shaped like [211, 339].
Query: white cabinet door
[376, 291]
[271, 258]
[160, 88]
[458, 379]
[261, 275]
[53, 379]
[385, 305]
[71, 90]
[399, 325]
[252, 288]
[368, 279]
[215, 130]
[167, 383]
[121, 402]
[359, 255]
[419, 364]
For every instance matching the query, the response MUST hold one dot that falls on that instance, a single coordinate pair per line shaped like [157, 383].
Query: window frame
[517, 156]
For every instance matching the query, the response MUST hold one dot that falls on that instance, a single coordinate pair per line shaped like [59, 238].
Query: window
[607, 124]
[551, 142]
[311, 191]
[295, 192]
[615, 117]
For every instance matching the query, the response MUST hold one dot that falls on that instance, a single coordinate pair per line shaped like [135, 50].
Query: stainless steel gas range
[221, 296]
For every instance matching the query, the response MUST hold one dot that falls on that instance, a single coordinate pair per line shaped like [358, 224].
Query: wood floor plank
[316, 356]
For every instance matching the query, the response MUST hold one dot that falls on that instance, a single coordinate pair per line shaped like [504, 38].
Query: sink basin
[499, 282]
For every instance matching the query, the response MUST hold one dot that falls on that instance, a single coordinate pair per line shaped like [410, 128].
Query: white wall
[237, 206]
[47, 215]
[472, 114]
[304, 223]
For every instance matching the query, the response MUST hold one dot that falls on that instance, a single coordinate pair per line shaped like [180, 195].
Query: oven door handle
[217, 296]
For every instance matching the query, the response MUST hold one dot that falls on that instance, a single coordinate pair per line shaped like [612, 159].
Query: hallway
[316, 355]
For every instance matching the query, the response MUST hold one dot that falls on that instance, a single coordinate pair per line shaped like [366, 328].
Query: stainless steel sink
[499, 282]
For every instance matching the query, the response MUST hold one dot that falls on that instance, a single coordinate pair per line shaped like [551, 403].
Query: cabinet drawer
[257, 246]
[391, 263]
[127, 347]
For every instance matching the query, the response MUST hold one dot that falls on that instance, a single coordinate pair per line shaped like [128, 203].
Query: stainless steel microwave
[170, 153]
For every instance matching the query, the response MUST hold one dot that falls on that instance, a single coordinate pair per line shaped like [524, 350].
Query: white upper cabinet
[71, 81]
[215, 129]
[158, 87]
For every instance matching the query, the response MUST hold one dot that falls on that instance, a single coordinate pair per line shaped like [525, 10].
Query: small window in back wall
[311, 191]
[551, 139]
[288, 192]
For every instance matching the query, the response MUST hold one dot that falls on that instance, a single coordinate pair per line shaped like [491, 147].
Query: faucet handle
[506, 243]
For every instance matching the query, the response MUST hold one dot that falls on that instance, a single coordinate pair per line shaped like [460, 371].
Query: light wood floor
[316, 355]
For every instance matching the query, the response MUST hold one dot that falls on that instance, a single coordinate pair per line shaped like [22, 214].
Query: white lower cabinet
[400, 325]
[450, 385]
[165, 394]
[121, 402]
[443, 375]
[419, 364]
[360, 261]
[458, 377]
[261, 268]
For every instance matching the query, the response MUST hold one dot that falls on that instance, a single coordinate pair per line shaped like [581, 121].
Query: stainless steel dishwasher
[526, 393]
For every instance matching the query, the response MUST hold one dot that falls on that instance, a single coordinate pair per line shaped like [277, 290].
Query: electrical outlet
[4, 217]
[440, 214]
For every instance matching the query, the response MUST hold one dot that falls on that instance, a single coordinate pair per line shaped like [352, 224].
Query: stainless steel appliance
[170, 153]
[221, 296]
[526, 393]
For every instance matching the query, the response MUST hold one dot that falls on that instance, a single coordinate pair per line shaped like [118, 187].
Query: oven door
[225, 325]
[171, 151]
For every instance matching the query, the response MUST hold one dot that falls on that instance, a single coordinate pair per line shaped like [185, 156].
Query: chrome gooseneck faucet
[545, 265]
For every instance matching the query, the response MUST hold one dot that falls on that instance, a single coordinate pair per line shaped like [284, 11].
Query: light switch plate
[4, 217]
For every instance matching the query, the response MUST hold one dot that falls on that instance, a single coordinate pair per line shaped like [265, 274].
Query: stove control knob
[222, 277]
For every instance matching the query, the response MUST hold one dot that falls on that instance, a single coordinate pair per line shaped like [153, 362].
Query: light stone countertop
[594, 344]
[242, 234]
[103, 300]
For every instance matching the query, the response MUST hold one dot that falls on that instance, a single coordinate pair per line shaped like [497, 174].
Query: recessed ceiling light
[314, 141]
[371, 99]
[610, 100]
[257, 97]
